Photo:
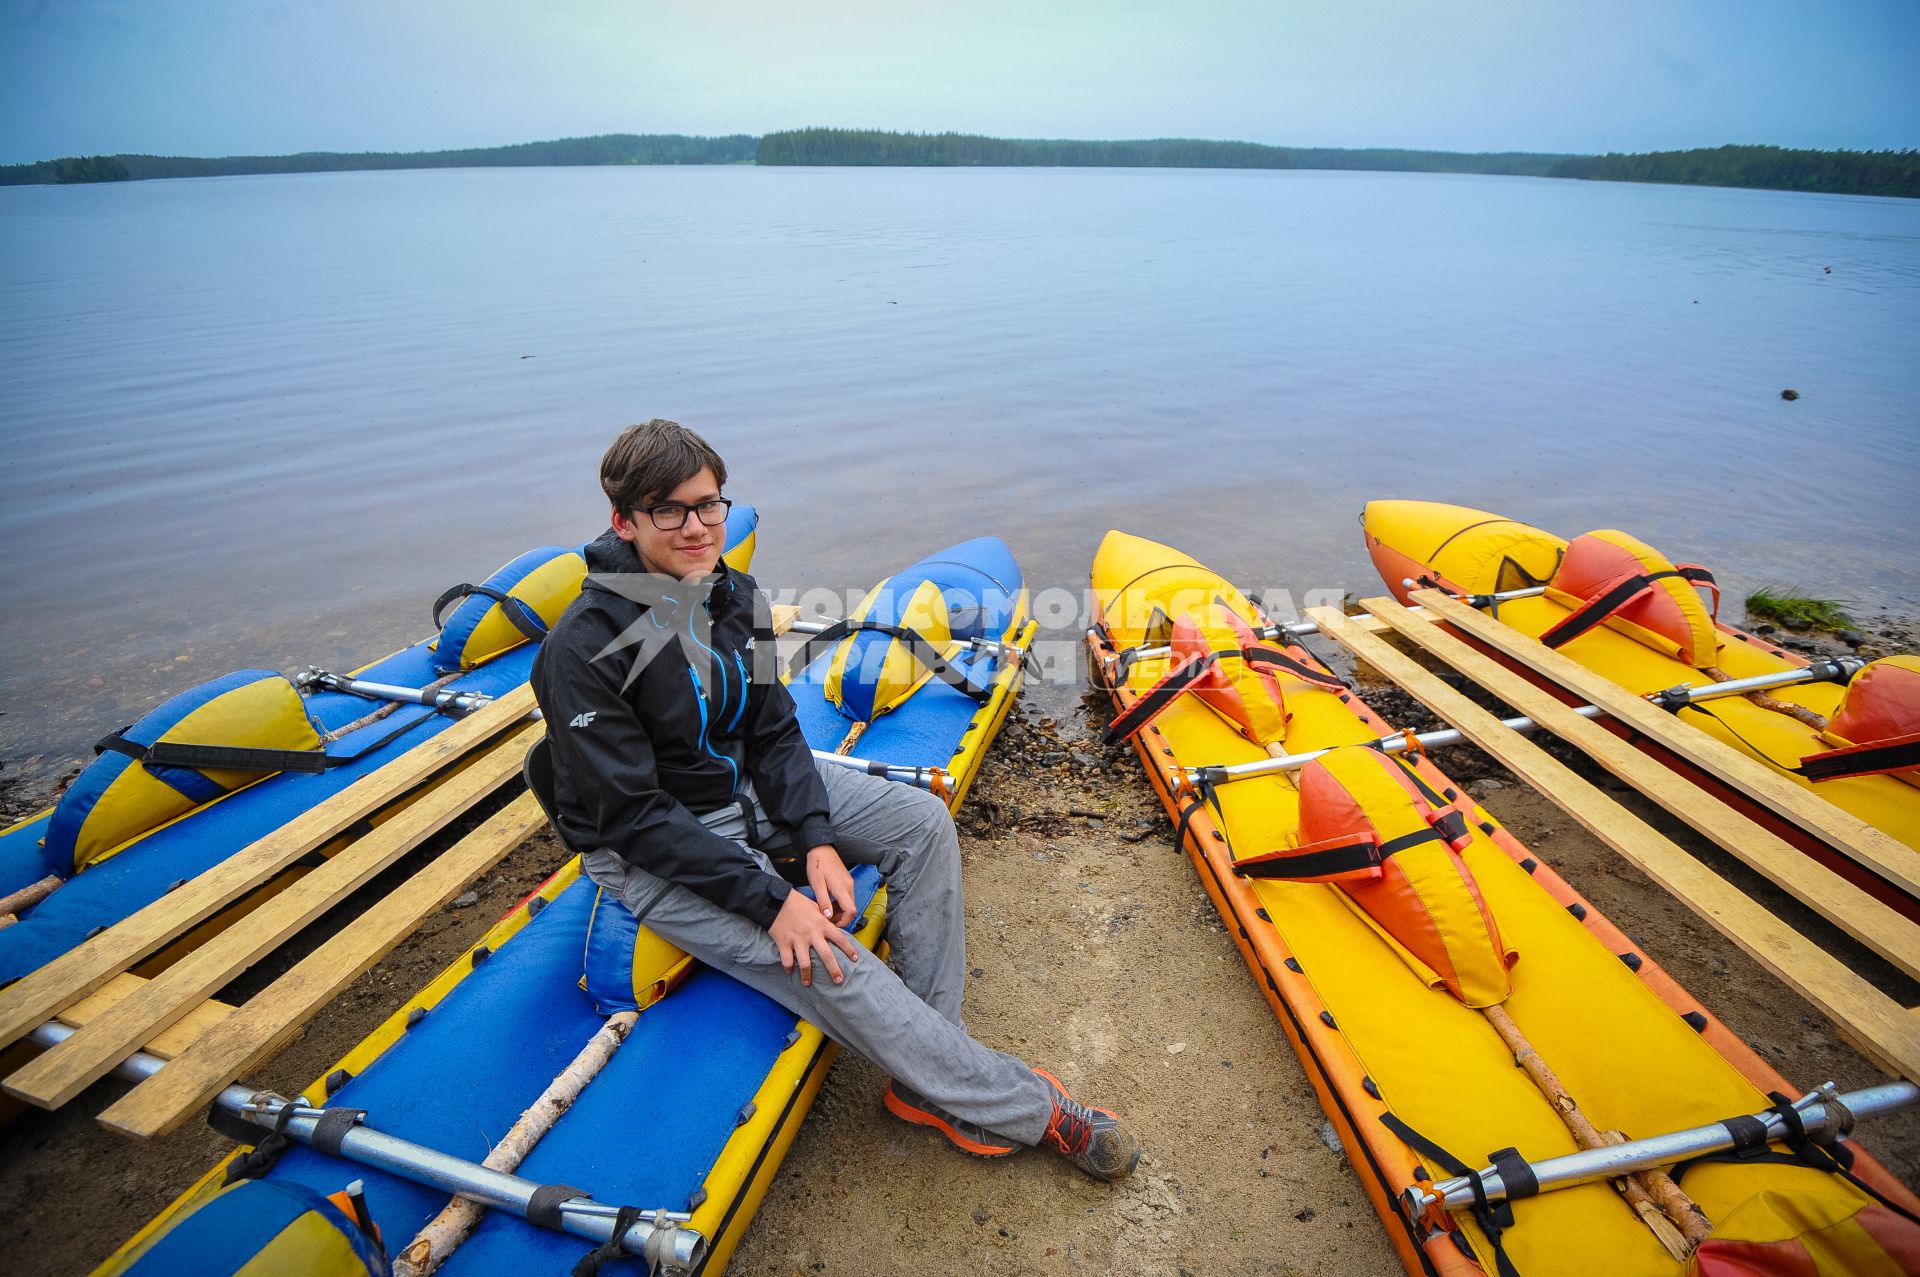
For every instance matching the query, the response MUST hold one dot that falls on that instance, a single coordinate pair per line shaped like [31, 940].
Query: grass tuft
[1770, 603]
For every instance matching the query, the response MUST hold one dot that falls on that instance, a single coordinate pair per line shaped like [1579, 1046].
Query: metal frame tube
[1385, 744]
[1838, 668]
[1585, 1167]
[924, 777]
[445, 698]
[991, 647]
[654, 1237]
[906, 775]
[1301, 629]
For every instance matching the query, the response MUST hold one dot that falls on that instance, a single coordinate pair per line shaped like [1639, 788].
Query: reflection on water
[265, 421]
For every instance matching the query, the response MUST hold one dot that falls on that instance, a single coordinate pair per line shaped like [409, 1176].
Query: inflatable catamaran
[1415, 951]
[1838, 739]
[677, 1091]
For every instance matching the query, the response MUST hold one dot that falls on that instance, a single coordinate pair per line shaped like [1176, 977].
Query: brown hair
[650, 460]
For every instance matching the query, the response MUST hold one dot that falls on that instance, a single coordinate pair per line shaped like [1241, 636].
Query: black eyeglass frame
[669, 508]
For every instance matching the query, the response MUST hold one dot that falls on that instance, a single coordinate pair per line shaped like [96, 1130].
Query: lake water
[265, 421]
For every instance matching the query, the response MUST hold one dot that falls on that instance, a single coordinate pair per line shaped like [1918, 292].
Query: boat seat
[627, 967]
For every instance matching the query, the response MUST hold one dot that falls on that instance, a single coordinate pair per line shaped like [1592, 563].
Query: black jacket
[638, 753]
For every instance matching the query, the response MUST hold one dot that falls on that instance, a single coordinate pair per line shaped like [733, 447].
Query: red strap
[1875, 757]
[1700, 576]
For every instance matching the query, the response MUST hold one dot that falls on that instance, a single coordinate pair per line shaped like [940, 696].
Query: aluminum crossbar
[1822, 1112]
[658, 1237]
[466, 702]
[1838, 669]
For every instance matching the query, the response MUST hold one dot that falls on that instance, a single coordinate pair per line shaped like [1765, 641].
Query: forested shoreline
[1767, 167]
[1893, 173]
[609, 148]
[874, 147]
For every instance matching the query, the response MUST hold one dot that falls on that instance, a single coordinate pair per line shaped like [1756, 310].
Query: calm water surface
[265, 421]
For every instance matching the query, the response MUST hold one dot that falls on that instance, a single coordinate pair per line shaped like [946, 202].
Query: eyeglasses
[671, 516]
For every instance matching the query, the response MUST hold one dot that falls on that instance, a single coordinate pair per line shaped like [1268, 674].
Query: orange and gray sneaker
[909, 1105]
[1091, 1138]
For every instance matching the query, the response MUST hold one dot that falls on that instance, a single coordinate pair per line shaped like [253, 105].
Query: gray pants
[907, 1019]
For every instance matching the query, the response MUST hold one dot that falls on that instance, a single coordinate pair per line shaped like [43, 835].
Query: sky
[232, 77]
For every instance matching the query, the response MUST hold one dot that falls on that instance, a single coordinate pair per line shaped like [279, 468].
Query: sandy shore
[1096, 953]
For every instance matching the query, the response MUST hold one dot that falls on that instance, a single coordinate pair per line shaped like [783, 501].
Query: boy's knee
[930, 814]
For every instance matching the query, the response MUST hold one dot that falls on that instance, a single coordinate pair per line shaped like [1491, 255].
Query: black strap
[1162, 694]
[543, 1206]
[1413, 839]
[1325, 863]
[1157, 698]
[518, 611]
[1186, 818]
[242, 758]
[591, 1263]
[332, 1127]
[749, 819]
[259, 1159]
[1450, 823]
[1299, 669]
[1494, 1218]
[234, 758]
[1596, 610]
[1516, 1173]
[1750, 1145]
[919, 645]
[1861, 760]
[1203, 796]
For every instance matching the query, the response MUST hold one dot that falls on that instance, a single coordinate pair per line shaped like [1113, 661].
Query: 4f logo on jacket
[583, 720]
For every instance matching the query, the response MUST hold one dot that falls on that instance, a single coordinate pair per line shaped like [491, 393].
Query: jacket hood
[609, 553]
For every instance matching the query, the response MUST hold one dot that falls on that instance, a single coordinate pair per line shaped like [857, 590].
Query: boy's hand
[801, 930]
[832, 884]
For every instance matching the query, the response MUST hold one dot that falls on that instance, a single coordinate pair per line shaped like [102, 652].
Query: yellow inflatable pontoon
[1407, 942]
[1617, 606]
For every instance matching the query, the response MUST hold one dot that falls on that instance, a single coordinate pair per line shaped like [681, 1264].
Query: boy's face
[693, 548]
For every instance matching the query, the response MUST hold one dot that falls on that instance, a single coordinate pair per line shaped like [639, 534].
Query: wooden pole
[1675, 1219]
[1652, 1194]
[30, 895]
[1817, 721]
[444, 1233]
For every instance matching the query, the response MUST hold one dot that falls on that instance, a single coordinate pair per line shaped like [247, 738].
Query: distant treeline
[874, 147]
[610, 148]
[1837, 172]
[1840, 172]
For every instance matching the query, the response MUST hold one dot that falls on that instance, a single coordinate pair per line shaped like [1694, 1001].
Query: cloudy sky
[224, 77]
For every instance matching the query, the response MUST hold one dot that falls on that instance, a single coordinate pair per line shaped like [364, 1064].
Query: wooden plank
[1876, 1023]
[169, 1043]
[1879, 851]
[257, 1030]
[1879, 927]
[35, 997]
[64, 1071]
[784, 615]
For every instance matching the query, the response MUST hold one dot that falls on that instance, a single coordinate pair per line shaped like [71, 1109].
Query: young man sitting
[680, 769]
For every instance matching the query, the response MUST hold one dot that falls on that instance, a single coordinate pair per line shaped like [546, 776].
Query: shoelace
[1072, 1126]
